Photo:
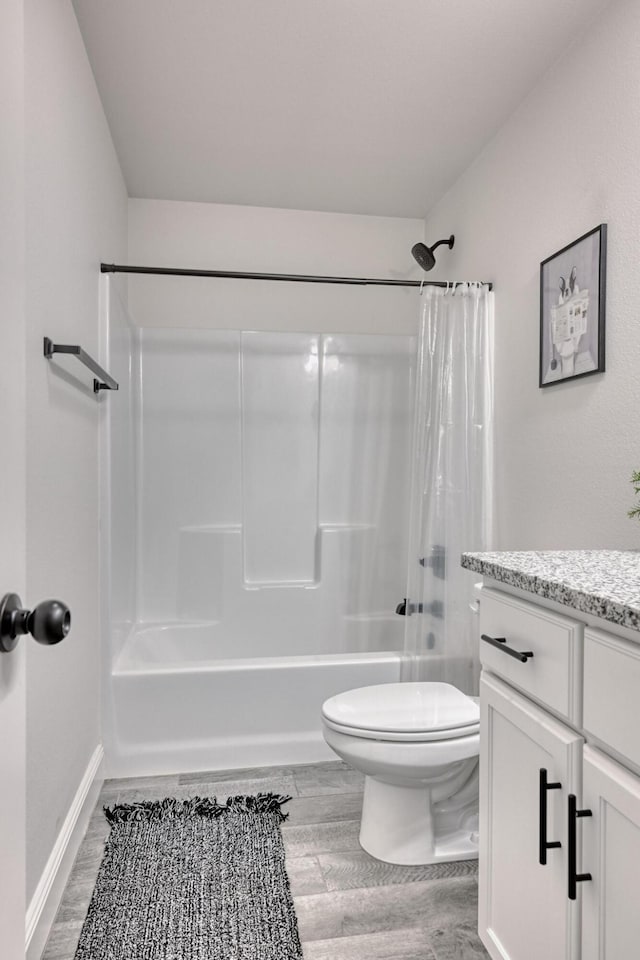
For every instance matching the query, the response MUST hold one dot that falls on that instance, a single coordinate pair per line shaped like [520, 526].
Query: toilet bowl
[417, 745]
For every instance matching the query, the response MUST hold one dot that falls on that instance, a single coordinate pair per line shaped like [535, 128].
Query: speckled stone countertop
[603, 583]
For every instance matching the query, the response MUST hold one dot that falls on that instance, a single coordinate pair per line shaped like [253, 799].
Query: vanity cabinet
[559, 872]
[529, 764]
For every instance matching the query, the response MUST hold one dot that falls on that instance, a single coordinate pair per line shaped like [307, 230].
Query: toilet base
[400, 825]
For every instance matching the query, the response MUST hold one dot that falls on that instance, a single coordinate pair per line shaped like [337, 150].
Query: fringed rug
[193, 880]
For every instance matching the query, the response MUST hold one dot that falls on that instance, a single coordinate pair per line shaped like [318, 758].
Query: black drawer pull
[500, 643]
[545, 844]
[575, 878]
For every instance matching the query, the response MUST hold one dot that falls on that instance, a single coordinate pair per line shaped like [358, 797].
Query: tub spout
[406, 609]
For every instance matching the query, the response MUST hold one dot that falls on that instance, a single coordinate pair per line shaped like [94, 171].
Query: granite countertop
[603, 583]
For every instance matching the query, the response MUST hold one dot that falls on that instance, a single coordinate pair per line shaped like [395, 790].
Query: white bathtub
[176, 710]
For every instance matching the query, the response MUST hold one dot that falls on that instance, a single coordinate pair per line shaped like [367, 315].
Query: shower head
[423, 254]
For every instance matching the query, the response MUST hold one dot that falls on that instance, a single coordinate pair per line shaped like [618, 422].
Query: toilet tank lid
[403, 707]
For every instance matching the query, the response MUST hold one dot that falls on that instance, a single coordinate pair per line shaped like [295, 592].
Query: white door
[12, 476]
[524, 912]
[611, 854]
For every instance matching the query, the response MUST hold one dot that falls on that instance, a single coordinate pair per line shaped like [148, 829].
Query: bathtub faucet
[406, 609]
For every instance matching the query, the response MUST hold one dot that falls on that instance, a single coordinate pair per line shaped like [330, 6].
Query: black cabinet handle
[500, 643]
[48, 623]
[545, 844]
[574, 877]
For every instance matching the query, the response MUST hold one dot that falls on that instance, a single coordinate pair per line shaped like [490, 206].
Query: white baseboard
[48, 894]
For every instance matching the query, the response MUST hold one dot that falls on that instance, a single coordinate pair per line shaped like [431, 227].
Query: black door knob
[48, 623]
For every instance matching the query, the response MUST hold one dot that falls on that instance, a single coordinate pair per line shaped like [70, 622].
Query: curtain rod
[295, 277]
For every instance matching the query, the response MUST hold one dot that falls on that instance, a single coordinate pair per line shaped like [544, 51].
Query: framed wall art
[572, 309]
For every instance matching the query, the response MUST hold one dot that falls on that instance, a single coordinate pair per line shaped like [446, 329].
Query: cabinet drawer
[611, 686]
[552, 675]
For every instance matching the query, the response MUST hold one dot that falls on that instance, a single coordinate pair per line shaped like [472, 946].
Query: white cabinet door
[611, 854]
[524, 911]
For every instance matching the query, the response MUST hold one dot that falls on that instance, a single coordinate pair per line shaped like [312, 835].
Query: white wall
[218, 236]
[76, 216]
[566, 161]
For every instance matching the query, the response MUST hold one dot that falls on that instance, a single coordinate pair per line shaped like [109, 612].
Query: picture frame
[573, 309]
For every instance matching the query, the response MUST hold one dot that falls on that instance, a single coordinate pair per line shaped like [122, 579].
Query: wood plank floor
[349, 905]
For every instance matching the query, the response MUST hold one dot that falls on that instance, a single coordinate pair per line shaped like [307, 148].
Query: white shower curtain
[451, 482]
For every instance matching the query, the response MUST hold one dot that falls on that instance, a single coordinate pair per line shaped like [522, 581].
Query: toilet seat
[403, 712]
[420, 736]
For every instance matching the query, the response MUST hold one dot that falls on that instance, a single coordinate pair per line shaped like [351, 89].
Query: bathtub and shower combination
[257, 489]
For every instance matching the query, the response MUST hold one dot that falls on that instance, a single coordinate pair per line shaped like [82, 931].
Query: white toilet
[417, 744]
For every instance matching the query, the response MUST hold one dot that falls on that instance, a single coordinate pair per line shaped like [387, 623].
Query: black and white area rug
[193, 880]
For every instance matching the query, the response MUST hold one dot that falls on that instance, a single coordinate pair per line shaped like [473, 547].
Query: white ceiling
[357, 106]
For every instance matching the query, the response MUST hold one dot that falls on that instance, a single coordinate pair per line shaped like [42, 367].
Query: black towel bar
[104, 381]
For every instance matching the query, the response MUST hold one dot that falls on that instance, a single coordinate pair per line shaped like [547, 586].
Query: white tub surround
[559, 638]
[258, 491]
